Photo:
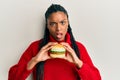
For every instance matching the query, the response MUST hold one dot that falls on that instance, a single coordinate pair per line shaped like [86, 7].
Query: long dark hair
[53, 8]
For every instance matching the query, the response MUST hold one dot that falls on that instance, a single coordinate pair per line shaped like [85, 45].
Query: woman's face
[57, 24]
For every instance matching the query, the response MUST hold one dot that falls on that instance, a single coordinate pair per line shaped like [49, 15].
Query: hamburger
[57, 51]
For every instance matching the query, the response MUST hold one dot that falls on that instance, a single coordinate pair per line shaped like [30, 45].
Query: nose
[58, 27]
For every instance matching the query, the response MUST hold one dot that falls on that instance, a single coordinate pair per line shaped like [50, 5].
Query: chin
[61, 39]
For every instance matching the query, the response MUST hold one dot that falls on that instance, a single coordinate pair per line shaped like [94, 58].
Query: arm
[20, 71]
[28, 61]
[87, 71]
[85, 67]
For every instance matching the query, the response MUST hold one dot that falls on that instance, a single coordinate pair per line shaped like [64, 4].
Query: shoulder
[80, 44]
[83, 51]
[33, 47]
[35, 43]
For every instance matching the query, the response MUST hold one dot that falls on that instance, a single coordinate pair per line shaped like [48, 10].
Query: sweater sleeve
[19, 71]
[88, 71]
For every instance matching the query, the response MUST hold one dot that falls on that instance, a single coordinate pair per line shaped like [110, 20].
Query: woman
[76, 65]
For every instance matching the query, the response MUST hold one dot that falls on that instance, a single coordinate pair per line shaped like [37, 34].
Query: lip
[59, 35]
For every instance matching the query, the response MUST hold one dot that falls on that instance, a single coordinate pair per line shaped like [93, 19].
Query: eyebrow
[59, 21]
[65, 20]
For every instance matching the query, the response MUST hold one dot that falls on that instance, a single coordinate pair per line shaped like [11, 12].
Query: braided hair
[53, 8]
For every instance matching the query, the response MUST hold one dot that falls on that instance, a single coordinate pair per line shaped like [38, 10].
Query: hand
[71, 55]
[43, 53]
[41, 56]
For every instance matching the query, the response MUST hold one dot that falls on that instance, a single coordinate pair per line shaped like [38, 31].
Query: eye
[52, 24]
[63, 22]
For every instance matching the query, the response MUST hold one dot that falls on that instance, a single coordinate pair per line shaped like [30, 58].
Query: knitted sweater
[55, 69]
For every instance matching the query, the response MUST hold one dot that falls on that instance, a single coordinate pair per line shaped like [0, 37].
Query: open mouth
[59, 35]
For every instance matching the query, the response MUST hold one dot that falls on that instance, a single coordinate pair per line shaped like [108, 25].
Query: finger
[65, 44]
[49, 45]
[68, 48]
[47, 49]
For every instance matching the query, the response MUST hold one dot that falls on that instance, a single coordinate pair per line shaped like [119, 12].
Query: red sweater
[55, 69]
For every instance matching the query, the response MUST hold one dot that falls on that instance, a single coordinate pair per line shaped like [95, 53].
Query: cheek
[51, 30]
[65, 29]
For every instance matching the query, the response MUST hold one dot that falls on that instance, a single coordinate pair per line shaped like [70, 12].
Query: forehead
[57, 16]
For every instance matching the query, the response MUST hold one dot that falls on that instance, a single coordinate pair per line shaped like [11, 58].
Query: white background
[96, 23]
